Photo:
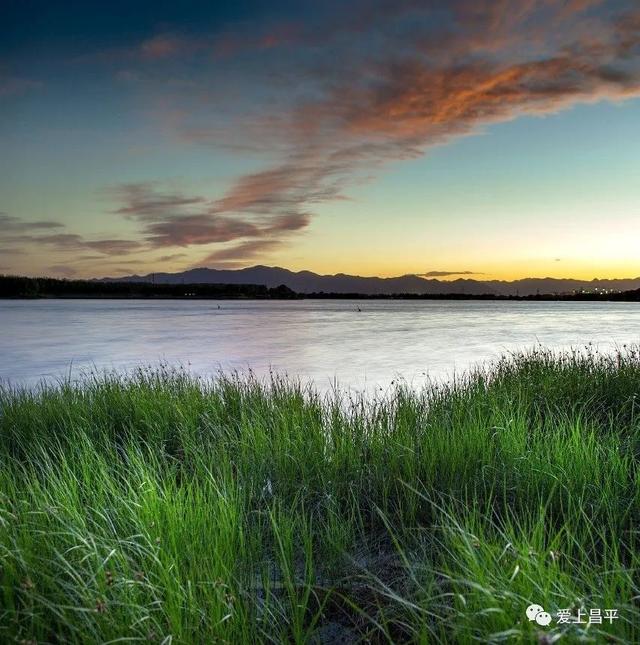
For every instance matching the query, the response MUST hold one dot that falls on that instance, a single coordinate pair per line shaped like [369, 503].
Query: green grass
[158, 507]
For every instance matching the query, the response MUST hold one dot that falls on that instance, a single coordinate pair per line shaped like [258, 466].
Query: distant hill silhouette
[309, 282]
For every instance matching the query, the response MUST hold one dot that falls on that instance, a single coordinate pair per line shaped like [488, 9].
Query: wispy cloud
[62, 270]
[10, 224]
[239, 254]
[18, 233]
[15, 86]
[443, 274]
[172, 257]
[162, 46]
[170, 219]
[74, 242]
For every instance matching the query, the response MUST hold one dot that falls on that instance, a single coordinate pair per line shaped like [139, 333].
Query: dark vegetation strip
[24, 287]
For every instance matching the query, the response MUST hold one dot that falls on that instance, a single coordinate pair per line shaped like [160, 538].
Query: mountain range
[309, 282]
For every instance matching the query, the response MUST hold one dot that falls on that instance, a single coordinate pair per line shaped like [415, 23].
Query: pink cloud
[161, 46]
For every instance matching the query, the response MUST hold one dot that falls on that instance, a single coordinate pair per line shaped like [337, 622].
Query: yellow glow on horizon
[579, 270]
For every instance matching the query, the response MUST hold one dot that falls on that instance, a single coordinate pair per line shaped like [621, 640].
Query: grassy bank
[159, 508]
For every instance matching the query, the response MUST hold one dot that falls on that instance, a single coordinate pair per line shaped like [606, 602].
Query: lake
[313, 339]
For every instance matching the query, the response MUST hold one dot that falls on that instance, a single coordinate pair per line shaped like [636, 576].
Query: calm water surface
[318, 340]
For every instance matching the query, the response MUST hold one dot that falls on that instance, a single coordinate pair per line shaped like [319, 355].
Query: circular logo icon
[533, 611]
[543, 618]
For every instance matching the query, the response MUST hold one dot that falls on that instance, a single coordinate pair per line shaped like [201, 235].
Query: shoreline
[350, 296]
[35, 288]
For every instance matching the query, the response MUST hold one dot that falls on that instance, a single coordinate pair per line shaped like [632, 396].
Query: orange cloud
[371, 83]
[490, 61]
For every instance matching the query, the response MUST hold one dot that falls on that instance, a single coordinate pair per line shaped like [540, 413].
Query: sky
[446, 138]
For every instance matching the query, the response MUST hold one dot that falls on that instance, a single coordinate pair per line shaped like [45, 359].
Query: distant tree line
[626, 296]
[21, 287]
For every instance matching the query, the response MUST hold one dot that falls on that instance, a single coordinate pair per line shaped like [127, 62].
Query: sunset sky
[491, 137]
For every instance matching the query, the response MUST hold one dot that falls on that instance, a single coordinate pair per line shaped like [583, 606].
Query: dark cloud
[110, 261]
[88, 257]
[204, 228]
[239, 254]
[18, 234]
[13, 86]
[10, 224]
[145, 201]
[72, 242]
[171, 257]
[113, 247]
[250, 212]
[128, 270]
[61, 241]
[307, 177]
[441, 274]
[62, 270]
